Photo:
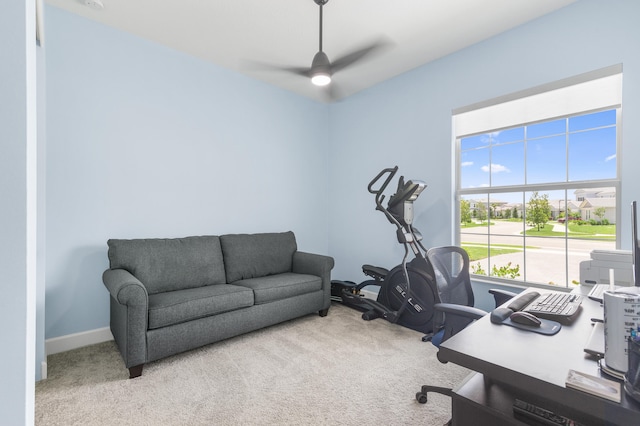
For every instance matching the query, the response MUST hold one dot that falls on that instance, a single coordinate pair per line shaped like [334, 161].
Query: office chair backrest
[455, 309]
[451, 267]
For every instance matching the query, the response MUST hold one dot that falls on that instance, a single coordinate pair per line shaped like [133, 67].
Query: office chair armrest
[451, 318]
[460, 310]
[502, 296]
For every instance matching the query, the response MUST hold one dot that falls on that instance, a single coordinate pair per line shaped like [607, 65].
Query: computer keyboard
[561, 307]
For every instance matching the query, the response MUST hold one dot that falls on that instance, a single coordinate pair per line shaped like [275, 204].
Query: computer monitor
[635, 244]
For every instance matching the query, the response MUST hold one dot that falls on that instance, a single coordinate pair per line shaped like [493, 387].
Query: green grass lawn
[596, 232]
[593, 229]
[473, 224]
[592, 232]
[587, 232]
[477, 252]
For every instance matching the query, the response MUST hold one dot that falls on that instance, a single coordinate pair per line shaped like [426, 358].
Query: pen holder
[632, 376]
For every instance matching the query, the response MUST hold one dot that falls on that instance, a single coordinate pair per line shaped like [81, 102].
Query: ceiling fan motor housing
[321, 63]
[320, 69]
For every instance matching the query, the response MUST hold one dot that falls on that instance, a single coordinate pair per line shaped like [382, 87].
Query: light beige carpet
[337, 370]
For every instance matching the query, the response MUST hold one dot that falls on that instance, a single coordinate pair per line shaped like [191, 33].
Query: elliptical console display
[408, 291]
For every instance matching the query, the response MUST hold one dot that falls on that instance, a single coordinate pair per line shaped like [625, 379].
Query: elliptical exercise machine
[408, 291]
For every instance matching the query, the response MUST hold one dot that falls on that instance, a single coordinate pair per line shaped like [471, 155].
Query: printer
[596, 270]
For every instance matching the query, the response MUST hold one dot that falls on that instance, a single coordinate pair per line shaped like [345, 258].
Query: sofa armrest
[125, 288]
[129, 315]
[315, 264]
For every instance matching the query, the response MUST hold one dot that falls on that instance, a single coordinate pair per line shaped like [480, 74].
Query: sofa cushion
[281, 286]
[170, 264]
[257, 255]
[174, 307]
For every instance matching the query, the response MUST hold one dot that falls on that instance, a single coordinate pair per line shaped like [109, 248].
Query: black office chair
[455, 309]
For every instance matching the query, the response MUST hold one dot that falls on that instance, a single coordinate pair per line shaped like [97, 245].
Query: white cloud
[466, 164]
[490, 137]
[611, 157]
[495, 168]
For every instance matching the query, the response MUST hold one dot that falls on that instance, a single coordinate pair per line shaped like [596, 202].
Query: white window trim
[558, 99]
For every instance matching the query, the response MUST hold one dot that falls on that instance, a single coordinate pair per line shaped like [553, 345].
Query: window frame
[567, 185]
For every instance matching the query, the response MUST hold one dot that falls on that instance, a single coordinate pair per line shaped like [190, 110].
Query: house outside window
[534, 197]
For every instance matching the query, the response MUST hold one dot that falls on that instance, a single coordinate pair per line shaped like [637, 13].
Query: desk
[513, 363]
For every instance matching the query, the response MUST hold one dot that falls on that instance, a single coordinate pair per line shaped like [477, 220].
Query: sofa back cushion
[257, 255]
[170, 264]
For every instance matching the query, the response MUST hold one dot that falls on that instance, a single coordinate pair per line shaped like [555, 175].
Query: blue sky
[580, 148]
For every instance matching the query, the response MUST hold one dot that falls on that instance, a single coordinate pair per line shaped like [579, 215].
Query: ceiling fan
[322, 69]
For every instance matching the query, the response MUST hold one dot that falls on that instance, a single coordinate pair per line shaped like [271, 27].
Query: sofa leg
[324, 312]
[135, 371]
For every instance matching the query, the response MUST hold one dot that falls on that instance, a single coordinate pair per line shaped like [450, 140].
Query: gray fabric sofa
[173, 295]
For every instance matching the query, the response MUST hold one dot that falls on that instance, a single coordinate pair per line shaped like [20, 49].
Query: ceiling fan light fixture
[321, 79]
[320, 69]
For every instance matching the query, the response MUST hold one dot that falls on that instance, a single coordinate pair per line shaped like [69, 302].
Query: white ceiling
[238, 33]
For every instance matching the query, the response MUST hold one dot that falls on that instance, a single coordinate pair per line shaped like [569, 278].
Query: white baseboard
[77, 340]
[43, 370]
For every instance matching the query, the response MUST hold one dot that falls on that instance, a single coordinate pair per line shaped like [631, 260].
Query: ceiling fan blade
[358, 55]
[328, 93]
[333, 93]
[302, 71]
[260, 66]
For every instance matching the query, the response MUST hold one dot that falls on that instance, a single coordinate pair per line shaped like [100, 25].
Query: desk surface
[535, 366]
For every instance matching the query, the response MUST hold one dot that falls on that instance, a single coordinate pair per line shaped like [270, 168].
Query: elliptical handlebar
[379, 192]
[398, 211]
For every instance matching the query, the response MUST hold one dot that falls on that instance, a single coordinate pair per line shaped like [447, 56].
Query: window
[537, 195]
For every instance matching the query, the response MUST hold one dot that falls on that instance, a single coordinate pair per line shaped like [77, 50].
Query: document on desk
[598, 386]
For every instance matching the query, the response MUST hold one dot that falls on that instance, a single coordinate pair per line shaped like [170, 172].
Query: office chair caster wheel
[421, 397]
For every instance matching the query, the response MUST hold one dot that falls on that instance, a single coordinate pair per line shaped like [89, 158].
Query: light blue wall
[406, 121]
[144, 141]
